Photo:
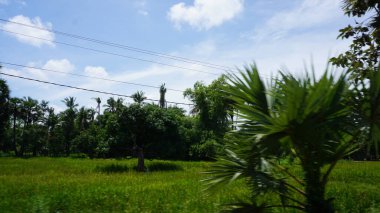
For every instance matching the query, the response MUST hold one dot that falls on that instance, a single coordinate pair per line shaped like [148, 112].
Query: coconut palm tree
[305, 118]
[138, 97]
[111, 105]
[162, 96]
[98, 101]
[68, 122]
[119, 104]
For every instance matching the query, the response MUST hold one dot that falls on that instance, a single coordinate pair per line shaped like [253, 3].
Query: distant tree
[362, 62]
[162, 96]
[119, 104]
[4, 110]
[68, 122]
[111, 105]
[138, 97]
[134, 121]
[98, 101]
[211, 105]
[51, 123]
[31, 115]
[16, 115]
[83, 119]
[91, 141]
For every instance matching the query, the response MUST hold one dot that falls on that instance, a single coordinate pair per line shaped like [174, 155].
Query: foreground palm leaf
[305, 118]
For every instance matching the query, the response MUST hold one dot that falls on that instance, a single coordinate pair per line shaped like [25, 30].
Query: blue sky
[273, 33]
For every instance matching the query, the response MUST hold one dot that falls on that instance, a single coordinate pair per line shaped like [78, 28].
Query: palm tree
[98, 101]
[111, 105]
[138, 97]
[82, 119]
[16, 114]
[4, 109]
[305, 118]
[70, 102]
[162, 96]
[119, 104]
[68, 123]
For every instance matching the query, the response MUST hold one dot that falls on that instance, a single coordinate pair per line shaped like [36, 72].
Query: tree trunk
[315, 192]
[14, 133]
[140, 159]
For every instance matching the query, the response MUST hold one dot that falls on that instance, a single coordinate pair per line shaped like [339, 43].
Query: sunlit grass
[84, 185]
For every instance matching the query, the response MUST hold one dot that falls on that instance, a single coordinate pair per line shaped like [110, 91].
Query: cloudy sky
[222, 34]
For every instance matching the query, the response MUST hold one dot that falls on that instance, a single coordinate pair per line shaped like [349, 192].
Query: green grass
[83, 185]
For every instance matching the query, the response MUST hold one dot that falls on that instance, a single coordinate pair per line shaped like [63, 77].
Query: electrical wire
[109, 53]
[121, 46]
[88, 90]
[87, 76]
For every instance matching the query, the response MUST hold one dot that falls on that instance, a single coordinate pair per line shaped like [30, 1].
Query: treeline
[114, 129]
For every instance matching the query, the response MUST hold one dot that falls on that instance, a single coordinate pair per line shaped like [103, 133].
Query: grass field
[83, 185]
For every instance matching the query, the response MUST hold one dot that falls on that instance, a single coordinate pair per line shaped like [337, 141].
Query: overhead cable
[109, 53]
[86, 76]
[85, 89]
[126, 47]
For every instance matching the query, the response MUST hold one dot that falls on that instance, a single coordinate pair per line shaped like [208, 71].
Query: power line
[126, 47]
[109, 53]
[86, 76]
[88, 90]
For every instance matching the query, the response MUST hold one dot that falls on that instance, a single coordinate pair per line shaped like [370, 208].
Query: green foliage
[306, 118]
[362, 64]
[92, 142]
[211, 106]
[120, 131]
[363, 56]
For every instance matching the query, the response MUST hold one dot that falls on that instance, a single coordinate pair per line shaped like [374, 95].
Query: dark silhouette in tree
[16, 114]
[98, 101]
[162, 96]
[4, 110]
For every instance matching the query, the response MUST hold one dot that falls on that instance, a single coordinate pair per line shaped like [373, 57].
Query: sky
[230, 34]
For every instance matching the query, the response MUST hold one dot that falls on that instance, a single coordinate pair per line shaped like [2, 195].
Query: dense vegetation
[98, 185]
[30, 127]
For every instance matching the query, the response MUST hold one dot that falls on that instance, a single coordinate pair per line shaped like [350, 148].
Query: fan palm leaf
[304, 117]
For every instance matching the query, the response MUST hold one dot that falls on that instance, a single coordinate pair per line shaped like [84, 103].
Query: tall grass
[83, 185]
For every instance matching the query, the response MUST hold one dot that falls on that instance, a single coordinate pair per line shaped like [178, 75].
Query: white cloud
[46, 36]
[309, 14]
[6, 2]
[61, 65]
[141, 6]
[96, 71]
[9, 71]
[205, 14]
[143, 12]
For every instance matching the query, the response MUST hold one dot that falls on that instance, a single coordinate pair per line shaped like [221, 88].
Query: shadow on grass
[112, 168]
[161, 166]
[149, 167]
